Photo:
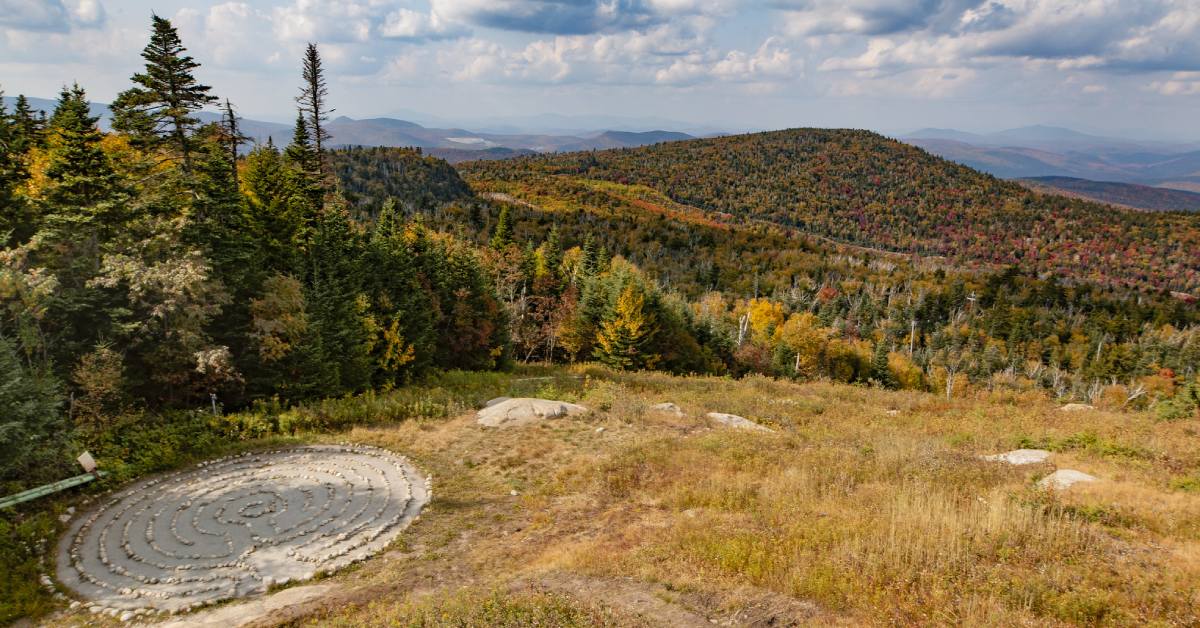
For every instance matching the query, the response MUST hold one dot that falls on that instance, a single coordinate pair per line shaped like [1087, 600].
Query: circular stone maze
[235, 526]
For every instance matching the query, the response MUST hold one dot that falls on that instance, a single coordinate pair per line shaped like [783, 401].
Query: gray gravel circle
[235, 526]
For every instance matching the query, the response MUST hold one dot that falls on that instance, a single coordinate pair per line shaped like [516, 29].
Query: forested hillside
[861, 188]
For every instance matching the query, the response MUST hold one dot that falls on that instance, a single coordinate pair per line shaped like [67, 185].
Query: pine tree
[233, 138]
[79, 172]
[503, 235]
[28, 127]
[623, 338]
[159, 110]
[553, 253]
[591, 257]
[879, 366]
[305, 164]
[313, 105]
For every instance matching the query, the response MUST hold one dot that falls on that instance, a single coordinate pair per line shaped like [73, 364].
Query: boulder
[492, 402]
[1077, 407]
[1021, 456]
[667, 408]
[1065, 478]
[735, 421]
[524, 410]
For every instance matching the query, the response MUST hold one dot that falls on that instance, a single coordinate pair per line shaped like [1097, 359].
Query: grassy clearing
[864, 507]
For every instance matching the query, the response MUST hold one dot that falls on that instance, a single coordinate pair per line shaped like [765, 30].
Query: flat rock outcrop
[1065, 478]
[525, 410]
[737, 422]
[1021, 456]
[1077, 407]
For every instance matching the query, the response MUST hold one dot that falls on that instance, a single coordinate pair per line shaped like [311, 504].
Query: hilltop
[861, 188]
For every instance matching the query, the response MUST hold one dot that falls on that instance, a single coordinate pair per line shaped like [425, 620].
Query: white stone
[1077, 407]
[1065, 478]
[1021, 456]
[491, 402]
[737, 422]
[526, 410]
[667, 408]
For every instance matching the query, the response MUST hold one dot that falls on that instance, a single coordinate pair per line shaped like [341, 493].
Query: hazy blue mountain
[1124, 194]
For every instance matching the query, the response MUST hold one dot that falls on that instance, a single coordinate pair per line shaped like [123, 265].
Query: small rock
[600, 430]
[1021, 456]
[668, 408]
[126, 616]
[1077, 407]
[513, 493]
[735, 421]
[1065, 478]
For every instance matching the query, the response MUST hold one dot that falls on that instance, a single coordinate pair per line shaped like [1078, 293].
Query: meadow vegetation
[865, 506]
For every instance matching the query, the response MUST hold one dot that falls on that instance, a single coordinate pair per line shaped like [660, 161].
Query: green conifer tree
[502, 236]
[160, 109]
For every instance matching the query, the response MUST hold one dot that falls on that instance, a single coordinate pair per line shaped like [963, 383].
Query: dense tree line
[861, 188]
[152, 268]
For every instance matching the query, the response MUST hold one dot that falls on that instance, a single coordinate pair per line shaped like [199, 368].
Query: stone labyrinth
[235, 526]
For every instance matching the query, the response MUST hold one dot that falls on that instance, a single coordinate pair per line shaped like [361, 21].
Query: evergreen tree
[32, 434]
[336, 307]
[79, 172]
[553, 253]
[623, 338]
[591, 257]
[503, 234]
[313, 105]
[28, 126]
[160, 109]
[305, 163]
[233, 138]
[879, 366]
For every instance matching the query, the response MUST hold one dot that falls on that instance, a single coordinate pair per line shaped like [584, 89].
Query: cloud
[409, 25]
[51, 15]
[1179, 84]
[1147, 35]
[573, 17]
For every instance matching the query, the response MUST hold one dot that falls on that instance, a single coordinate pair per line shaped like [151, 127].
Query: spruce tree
[28, 127]
[305, 164]
[313, 105]
[79, 172]
[553, 254]
[879, 366]
[160, 109]
[233, 138]
[503, 235]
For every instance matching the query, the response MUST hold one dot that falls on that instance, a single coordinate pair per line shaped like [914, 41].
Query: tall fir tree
[305, 165]
[79, 172]
[160, 109]
[232, 138]
[503, 234]
[313, 105]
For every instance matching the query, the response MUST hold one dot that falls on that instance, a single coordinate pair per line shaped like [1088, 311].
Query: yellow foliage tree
[622, 339]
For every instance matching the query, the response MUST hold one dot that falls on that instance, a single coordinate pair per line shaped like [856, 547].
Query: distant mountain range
[1112, 170]
[1130, 195]
[453, 143]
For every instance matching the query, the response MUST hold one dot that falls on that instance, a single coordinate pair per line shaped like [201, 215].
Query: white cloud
[51, 15]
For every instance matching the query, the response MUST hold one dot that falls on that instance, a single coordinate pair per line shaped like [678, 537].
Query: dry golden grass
[871, 505]
[864, 507]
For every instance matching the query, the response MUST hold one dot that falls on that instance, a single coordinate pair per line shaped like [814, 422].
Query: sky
[1122, 67]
